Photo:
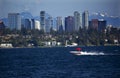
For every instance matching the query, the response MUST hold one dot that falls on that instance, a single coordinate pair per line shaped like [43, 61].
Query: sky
[59, 7]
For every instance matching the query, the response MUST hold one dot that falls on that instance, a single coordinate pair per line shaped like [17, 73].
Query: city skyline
[71, 23]
[59, 8]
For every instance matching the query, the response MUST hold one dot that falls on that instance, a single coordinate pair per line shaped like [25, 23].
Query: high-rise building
[102, 25]
[2, 25]
[42, 20]
[93, 24]
[48, 24]
[59, 23]
[26, 23]
[22, 23]
[77, 23]
[81, 26]
[37, 24]
[32, 24]
[85, 20]
[14, 21]
[52, 22]
[99, 25]
[69, 24]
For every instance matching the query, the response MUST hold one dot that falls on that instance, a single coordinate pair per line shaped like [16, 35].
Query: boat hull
[85, 53]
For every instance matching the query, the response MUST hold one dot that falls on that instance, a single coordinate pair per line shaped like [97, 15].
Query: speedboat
[80, 52]
[77, 52]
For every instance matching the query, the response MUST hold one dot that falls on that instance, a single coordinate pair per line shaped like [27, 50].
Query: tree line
[23, 37]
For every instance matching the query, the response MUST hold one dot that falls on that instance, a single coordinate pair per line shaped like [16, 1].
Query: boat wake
[90, 53]
[86, 53]
[78, 51]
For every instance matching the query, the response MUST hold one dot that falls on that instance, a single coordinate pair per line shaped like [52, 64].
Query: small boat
[80, 52]
[77, 52]
[70, 45]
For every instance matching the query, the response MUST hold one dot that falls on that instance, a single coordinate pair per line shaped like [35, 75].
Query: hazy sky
[59, 7]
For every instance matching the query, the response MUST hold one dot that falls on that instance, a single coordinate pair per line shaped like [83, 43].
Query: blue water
[59, 63]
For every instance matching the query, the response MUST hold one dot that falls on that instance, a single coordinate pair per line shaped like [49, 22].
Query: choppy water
[59, 63]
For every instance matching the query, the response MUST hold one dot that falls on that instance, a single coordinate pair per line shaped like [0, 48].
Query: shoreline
[54, 46]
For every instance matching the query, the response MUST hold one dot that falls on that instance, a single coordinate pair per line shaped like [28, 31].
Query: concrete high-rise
[32, 24]
[81, 21]
[69, 24]
[27, 24]
[37, 24]
[59, 23]
[102, 25]
[77, 22]
[48, 24]
[42, 20]
[14, 21]
[99, 25]
[93, 24]
[85, 20]
[2, 25]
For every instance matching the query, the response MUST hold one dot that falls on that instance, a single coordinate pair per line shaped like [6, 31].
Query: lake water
[58, 62]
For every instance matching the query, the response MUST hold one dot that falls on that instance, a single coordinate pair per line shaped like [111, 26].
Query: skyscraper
[85, 20]
[102, 25]
[27, 24]
[81, 26]
[93, 24]
[48, 24]
[69, 24]
[14, 21]
[37, 24]
[2, 27]
[32, 24]
[59, 23]
[77, 23]
[42, 20]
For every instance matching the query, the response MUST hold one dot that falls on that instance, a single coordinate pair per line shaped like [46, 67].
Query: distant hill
[111, 20]
[26, 15]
